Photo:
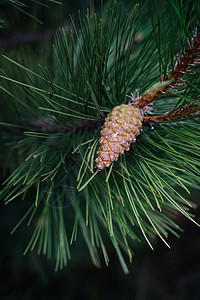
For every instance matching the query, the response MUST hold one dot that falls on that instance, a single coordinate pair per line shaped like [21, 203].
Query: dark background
[168, 274]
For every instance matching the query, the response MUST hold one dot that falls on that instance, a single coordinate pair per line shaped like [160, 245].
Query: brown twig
[182, 66]
[31, 38]
[91, 8]
[176, 114]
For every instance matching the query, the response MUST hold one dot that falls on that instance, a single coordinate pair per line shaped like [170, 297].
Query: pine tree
[142, 58]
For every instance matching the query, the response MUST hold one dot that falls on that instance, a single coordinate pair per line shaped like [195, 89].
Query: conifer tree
[123, 71]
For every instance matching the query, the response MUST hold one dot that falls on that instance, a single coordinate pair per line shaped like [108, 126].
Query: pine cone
[120, 129]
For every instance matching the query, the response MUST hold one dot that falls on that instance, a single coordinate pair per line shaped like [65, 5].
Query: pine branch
[182, 67]
[179, 113]
[89, 73]
[29, 38]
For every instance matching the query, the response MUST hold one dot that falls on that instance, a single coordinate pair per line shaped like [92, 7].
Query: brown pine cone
[120, 129]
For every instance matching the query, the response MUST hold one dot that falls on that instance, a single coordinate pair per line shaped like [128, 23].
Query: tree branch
[181, 66]
[30, 38]
[179, 113]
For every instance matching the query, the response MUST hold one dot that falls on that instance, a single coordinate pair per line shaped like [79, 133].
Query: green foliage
[49, 127]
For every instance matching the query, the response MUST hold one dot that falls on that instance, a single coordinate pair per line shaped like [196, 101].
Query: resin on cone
[120, 129]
